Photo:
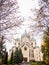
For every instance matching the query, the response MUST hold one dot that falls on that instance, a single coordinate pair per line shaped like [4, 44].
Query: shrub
[40, 63]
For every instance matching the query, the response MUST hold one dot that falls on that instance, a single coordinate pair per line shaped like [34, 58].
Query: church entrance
[25, 51]
[25, 59]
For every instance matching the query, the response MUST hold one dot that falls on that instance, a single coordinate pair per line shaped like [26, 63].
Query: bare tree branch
[9, 14]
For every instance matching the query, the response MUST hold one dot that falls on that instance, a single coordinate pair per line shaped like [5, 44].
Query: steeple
[25, 32]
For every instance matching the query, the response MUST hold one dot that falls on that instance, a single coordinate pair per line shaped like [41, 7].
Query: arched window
[32, 53]
[15, 43]
[18, 43]
[31, 43]
[25, 48]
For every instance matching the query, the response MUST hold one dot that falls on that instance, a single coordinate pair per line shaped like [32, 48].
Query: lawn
[33, 63]
[36, 63]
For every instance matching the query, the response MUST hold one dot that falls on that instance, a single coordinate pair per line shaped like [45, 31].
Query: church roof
[17, 39]
[25, 34]
[32, 39]
[25, 44]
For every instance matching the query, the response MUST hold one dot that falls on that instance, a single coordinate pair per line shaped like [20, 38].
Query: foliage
[18, 57]
[11, 59]
[1, 46]
[8, 11]
[37, 63]
[45, 0]
[1, 2]
[45, 46]
[42, 15]
[33, 63]
[5, 58]
[40, 62]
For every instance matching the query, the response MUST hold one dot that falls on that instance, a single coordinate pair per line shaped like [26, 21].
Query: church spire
[25, 31]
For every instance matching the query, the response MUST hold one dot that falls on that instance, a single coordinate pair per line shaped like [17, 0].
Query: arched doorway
[25, 51]
[25, 59]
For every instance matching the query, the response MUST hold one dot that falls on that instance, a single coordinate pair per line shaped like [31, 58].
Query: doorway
[25, 59]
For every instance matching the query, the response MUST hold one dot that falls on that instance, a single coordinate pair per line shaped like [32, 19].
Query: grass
[36, 63]
[33, 63]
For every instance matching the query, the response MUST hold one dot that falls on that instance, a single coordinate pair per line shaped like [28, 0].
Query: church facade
[31, 52]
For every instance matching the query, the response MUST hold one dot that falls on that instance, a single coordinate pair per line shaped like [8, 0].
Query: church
[31, 52]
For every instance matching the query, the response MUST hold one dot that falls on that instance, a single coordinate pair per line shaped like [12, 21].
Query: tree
[45, 46]
[42, 17]
[5, 58]
[1, 2]
[1, 46]
[9, 17]
[43, 13]
[11, 59]
[18, 57]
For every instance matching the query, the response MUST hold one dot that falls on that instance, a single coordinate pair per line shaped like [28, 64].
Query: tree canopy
[9, 17]
[1, 46]
[45, 46]
[18, 56]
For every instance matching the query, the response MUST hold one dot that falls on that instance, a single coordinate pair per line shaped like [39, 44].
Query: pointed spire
[25, 31]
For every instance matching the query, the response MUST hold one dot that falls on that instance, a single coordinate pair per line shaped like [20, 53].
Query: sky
[25, 7]
[25, 11]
